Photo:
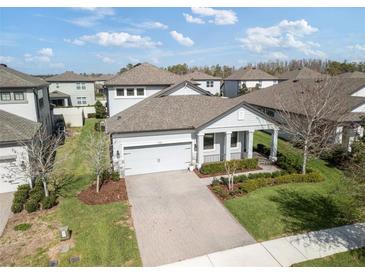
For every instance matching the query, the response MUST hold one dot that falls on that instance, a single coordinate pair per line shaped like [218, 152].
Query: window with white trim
[83, 85]
[210, 84]
[120, 92]
[234, 139]
[130, 91]
[5, 96]
[208, 141]
[57, 85]
[81, 101]
[78, 85]
[140, 91]
[19, 96]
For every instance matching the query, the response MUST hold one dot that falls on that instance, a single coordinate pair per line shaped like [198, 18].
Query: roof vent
[118, 117]
[3, 65]
[295, 80]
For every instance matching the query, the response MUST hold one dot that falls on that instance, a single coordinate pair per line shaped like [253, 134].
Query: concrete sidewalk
[286, 251]
[6, 200]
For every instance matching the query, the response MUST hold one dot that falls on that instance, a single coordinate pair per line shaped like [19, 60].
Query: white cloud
[117, 39]
[6, 59]
[43, 55]
[95, 15]
[152, 25]
[76, 42]
[194, 20]
[219, 17]
[105, 59]
[286, 34]
[277, 55]
[181, 39]
[358, 47]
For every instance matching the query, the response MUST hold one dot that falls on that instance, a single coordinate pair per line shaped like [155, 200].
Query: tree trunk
[97, 183]
[45, 187]
[305, 158]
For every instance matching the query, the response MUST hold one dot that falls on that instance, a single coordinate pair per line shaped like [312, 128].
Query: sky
[102, 40]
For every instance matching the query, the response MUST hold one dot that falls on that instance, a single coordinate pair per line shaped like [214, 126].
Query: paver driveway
[6, 200]
[176, 217]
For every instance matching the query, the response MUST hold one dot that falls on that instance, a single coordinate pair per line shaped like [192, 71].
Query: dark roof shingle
[301, 73]
[11, 78]
[250, 73]
[199, 75]
[69, 76]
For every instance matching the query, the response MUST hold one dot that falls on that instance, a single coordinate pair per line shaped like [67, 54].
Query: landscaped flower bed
[217, 168]
[244, 184]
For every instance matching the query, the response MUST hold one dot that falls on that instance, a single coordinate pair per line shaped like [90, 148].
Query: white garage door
[9, 180]
[157, 158]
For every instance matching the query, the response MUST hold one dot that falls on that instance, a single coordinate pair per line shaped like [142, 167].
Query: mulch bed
[201, 175]
[226, 193]
[109, 192]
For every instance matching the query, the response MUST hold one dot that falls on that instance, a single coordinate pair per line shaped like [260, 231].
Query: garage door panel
[157, 158]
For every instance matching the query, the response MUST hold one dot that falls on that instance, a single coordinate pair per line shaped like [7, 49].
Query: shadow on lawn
[314, 211]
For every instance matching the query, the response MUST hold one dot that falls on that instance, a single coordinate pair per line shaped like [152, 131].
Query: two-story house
[252, 78]
[207, 82]
[71, 89]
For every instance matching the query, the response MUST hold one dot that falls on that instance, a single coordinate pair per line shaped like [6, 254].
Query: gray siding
[231, 88]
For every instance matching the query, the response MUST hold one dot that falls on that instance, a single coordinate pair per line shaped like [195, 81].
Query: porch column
[274, 145]
[249, 144]
[193, 154]
[200, 147]
[227, 146]
[65, 102]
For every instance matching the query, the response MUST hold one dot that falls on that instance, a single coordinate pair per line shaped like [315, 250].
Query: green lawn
[102, 233]
[354, 258]
[274, 212]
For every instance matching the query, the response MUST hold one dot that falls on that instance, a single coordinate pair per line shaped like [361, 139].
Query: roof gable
[183, 88]
[11, 78]
[144, 74]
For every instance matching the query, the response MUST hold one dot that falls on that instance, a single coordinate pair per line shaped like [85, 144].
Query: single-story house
[251, 77]
[300, 73]
[182, 127]
[15, 132]
[351, 92]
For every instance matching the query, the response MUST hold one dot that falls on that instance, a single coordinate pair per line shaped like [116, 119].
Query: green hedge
[253, 184]
[218, 167]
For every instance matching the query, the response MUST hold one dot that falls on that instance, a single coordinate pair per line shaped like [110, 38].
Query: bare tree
[96, 145]
[231, 168]
[310, 112]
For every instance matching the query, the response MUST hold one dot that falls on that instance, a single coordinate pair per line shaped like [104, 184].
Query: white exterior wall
[72, 116]
[11, 174]
[359, 93]
[26, 109]
[264, 83]
[70, 88]
[359, 109]
[213, 90]
[117, 104]
[185, 91]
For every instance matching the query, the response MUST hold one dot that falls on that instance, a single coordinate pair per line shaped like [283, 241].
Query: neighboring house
[78, 90]
[15, 132]
[205, 81]
[25, 96]
[137, 84]
[351, 91]
[100, 82]
[253, 78]
[182, 127]
[301, 73]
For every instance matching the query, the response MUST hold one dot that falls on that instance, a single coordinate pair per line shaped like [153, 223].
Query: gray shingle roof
[170, 113]
[69, 76]
[58, 94]
[192, 85]
[10, 78]
[15, 128]
[199, 75]
[250, 73]
[145, 74]
[302, 73]
[270, 97]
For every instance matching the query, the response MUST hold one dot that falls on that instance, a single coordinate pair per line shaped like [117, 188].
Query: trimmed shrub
[49, 202]
[20, 197]
[220, 191]
[22, 227]
[105, 175]
[253, 184]
[100, 110]
[31, 205]
[37, 193]
[218, 167]
[91, 115]
[115, 176]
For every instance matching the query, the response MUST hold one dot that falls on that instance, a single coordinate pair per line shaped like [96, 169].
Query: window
[57, 85]
[83, 85]
[130, 91]
[210, 84]
[140, 91]
[234, 139]
[5, 96]
[81, 101]
[78, 86]
[209, 141]
[19, 96]
[120, 91]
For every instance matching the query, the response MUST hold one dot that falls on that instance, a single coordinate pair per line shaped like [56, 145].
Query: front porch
[227, 145]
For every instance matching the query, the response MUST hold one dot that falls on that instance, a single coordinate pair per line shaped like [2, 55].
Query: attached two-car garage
[156, 158]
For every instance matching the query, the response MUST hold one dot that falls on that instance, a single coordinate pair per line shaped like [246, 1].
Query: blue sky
[52, 40]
